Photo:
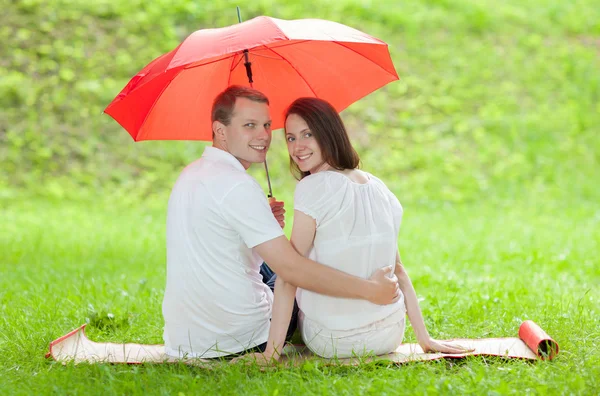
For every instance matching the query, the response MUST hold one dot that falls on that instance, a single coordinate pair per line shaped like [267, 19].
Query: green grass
[479, 269]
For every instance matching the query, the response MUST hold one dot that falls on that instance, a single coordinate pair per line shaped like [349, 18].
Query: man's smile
[259, 147]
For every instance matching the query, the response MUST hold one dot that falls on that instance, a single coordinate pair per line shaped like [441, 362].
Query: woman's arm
[303, 235]
[416, 317]
[410, 300]
[303, 232]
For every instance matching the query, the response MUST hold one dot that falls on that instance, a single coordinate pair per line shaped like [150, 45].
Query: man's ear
[218, 130]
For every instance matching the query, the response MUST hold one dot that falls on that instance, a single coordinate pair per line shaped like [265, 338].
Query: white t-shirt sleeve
[246, 210]
[312, 196]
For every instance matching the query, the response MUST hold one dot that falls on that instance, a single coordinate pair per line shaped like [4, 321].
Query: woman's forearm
[281, 316]
[412, 304]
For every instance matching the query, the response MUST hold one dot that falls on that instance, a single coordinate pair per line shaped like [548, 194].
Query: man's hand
[278, 211]
[385, 289]
[431, 345]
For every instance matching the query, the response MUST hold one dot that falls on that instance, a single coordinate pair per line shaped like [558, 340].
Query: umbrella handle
[248, 66]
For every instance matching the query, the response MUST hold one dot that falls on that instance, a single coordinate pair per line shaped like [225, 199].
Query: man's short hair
[222, 108]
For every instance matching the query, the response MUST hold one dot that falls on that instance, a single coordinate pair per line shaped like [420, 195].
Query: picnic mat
[532, 343]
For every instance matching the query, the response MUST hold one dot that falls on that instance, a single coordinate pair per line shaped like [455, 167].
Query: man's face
[248, 135]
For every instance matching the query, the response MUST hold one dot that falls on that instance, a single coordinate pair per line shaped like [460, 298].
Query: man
[220, 228]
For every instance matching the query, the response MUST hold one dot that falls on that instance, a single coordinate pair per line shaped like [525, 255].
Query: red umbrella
[171, 98]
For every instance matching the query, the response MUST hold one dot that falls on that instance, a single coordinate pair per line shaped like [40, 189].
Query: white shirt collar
[216, 154]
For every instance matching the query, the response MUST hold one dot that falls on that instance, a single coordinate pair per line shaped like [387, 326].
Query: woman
[349, 220]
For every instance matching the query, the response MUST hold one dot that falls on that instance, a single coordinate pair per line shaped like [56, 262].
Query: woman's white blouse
[357, 232]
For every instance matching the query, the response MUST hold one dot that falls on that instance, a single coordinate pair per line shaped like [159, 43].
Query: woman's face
[302, 145]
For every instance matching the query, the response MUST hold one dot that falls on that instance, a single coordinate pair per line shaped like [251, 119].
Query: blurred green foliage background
[496, 101]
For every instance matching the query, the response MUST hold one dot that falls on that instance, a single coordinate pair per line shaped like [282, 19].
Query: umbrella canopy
[171, 98]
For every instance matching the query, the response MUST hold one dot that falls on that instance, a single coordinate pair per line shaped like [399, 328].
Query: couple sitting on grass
[340, 280]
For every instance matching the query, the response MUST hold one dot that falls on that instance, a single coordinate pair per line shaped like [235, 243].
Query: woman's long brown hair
[327, 127]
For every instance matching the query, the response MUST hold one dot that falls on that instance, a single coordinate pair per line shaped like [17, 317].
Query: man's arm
[307, 274]
[247, 212]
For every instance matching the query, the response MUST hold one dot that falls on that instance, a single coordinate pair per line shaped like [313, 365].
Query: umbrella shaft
[268, 179]
[247, 64]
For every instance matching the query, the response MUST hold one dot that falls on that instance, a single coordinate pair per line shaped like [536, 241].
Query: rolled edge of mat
[538, 340]
[50, 353]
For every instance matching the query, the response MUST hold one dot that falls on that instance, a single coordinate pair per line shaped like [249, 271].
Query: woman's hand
[260, 358]
[431, 345]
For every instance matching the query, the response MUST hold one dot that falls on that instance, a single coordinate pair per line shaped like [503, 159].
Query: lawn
[479, 269]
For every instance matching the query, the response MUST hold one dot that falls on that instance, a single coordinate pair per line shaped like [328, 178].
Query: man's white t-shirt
[215, 302]
[357, 233]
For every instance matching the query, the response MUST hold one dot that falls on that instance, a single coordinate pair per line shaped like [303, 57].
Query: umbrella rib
[230, 70]
[292, 66]
[370, 60]
[154, 104]
[233, 61]
[150, 70]
[208, 63]
[265, 56]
